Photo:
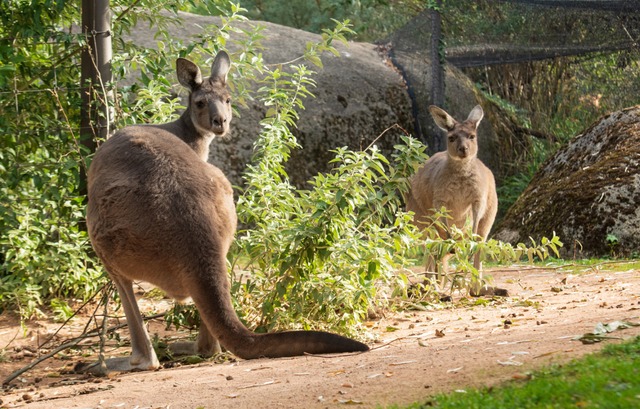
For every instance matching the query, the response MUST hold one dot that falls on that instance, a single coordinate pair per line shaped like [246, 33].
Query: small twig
[386, 344]
[126, 11]
[72, 315]
[257, 385]
[83, 163]
[296, 59]
[634, 42]
[12, 339]
[95, 311]
[384, 132]
[103, 327]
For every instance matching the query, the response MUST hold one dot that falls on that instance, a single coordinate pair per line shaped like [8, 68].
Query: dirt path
[482, 345]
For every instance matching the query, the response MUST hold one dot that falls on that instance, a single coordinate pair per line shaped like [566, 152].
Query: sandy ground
[418, 353]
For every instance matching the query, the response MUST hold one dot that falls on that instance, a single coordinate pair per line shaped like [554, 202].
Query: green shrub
[43, 247]
[318, 257]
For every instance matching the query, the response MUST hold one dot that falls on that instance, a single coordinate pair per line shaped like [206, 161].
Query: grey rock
[588, 190]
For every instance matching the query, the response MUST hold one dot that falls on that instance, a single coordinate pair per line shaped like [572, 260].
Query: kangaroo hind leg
[143, 357]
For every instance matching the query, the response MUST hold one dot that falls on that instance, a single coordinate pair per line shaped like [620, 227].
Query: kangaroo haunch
[158, 212]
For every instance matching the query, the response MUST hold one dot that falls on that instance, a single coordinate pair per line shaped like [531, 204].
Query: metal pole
[437, 64]
[96, 76]
[96, 69]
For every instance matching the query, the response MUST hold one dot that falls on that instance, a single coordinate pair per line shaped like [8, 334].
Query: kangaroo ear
[442, 119]
[476, 115]
[189, 74]
[220, 68]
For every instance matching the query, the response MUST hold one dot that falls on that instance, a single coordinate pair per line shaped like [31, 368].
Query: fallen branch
[62, 347]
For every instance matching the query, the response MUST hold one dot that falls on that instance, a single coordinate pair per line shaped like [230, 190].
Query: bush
[317, 258]
[43, 247]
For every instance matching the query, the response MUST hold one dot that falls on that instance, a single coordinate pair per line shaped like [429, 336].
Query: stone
[586, 192]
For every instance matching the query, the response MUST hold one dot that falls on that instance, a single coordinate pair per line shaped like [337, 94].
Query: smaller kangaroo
[457, 180]
[158, 212]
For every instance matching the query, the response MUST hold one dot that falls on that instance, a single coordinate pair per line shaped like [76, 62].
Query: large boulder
[588, 192]
[359, 95]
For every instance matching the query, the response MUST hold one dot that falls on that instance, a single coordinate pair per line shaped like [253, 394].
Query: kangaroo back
[158, 212]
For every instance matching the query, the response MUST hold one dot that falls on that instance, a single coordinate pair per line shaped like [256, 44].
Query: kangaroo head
[462, 141]
[209, 100]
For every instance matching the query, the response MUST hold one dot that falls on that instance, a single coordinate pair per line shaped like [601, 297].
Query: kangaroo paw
[112, 365]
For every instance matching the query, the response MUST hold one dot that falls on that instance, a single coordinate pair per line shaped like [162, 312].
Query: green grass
[608, 264]
[578, 265]
[608, 379]
[586, 265]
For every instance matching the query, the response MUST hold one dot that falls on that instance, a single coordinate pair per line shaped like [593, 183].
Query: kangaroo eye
[200, 104]
[472, 136]
[452, 139]
[228, 101]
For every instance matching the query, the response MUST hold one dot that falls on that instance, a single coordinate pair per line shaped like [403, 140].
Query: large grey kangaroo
[457, 180]
[158, 212]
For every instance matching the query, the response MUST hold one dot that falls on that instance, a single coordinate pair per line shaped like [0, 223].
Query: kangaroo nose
[219, 120]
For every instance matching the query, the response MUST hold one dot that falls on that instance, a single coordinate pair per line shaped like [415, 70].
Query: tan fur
[457, 180]
[158, 212]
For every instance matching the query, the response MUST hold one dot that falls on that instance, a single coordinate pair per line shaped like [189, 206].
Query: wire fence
[550, 29]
